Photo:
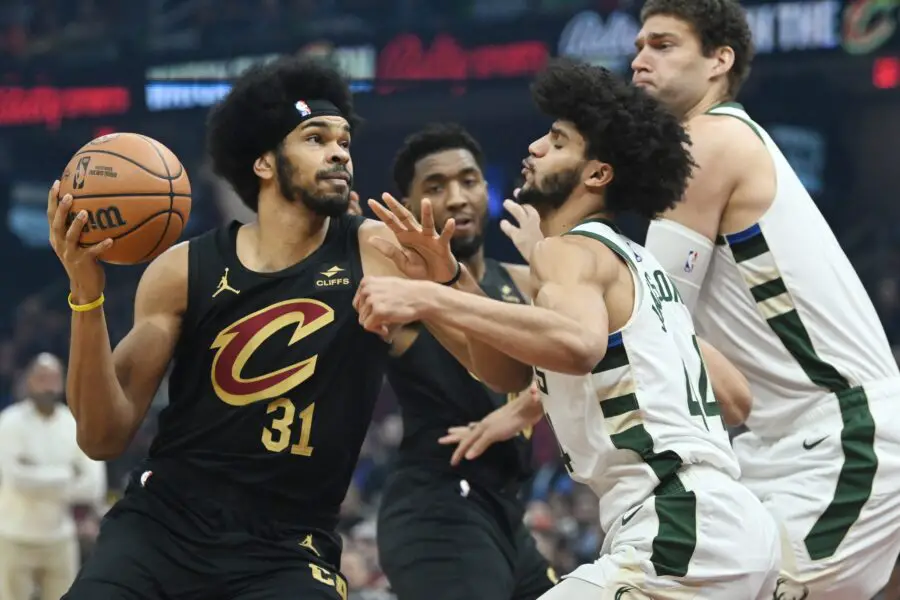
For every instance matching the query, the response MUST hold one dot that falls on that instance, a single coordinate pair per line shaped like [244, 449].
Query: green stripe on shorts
[676, 539]
[857, 475]
[855, 481]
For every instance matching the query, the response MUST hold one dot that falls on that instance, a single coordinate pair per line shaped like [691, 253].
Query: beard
[326, 204]
[465, 248]
[553, 192]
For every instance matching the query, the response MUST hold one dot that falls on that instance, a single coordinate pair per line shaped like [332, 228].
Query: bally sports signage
[50, 105]
[407, 58]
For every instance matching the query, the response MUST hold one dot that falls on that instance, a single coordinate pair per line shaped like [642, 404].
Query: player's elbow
[512, 381]
[100, 446]
[582, 353]
[735, 406]
[734, 397]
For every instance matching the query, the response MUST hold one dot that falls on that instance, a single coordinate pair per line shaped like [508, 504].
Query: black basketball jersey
[436, 392]
[274, 380]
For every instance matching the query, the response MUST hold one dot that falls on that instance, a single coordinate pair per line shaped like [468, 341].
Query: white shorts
[834, 488]
[710, 539]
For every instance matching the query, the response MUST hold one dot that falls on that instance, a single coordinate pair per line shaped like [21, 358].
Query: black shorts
[157, 544]
[434, 543]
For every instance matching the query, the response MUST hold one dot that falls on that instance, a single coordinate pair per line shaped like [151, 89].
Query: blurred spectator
[43, 474]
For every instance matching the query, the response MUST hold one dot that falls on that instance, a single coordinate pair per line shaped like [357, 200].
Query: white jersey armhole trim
[598, 232]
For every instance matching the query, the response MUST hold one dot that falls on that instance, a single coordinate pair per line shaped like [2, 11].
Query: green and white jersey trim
[647, 408]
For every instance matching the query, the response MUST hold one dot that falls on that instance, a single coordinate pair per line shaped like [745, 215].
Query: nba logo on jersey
[302, 108]
[634, 252]
[691, 260]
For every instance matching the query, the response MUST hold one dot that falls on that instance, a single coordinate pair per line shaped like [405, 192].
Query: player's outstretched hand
[422, 254]
[527, 233]
[385, 302]
[86, 276]
[503, 424]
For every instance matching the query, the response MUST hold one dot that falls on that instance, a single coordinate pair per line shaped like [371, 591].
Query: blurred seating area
[33, 29]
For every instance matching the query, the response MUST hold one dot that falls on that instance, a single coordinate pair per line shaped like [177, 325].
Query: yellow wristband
[86, 307]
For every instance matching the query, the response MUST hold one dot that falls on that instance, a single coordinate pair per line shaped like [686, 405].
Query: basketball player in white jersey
[770, 287]
[620, 370]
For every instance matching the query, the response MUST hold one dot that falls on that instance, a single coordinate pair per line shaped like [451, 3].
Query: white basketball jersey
[648, 407]
[784, 304]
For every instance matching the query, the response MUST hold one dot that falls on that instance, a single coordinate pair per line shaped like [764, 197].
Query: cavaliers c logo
[237, 343]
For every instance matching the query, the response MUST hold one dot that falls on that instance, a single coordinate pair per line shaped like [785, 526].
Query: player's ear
[597, 175]
[264, 166]
[724, 60]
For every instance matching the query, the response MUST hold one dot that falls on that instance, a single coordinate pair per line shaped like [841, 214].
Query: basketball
[135, 191]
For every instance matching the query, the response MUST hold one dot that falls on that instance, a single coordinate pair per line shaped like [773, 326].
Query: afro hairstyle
[256, 115]
[717, 23]
[624, 127]
[431, 139]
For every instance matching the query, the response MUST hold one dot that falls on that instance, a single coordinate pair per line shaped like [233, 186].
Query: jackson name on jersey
[648, 407]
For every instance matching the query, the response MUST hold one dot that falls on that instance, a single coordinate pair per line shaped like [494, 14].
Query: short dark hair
[717, 23]
[254, 117]
[623, 126]
[431, 139]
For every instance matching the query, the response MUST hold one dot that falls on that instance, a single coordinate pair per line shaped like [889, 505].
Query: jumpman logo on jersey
[223, 285]
[308, 544]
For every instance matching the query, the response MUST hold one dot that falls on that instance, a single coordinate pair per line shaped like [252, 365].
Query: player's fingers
[427, 217]
[447, 232]
[386, 216]
[60, 218]
[369, 320]
[463, 447]
[516, 192]
[454, 435]
[97, 249]
[530, 211]
[73, 234]
[475, 432]
[508, 229]
[52, 200]
[390, 251]
[401, 212]
[480, 443]
[365, 311]
[516, 210]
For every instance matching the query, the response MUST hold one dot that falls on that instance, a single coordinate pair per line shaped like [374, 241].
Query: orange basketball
[135, 191]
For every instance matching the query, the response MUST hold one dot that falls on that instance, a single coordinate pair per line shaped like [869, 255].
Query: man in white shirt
[43, 473]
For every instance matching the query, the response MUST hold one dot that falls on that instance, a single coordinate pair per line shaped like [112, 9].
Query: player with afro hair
[602, 122]
[259, 116]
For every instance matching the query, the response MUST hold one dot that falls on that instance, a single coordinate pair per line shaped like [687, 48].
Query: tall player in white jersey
[771, 288]
[622, 378]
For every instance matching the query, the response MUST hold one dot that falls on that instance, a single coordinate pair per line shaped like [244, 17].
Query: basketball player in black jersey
[454, 533]
[274, 380]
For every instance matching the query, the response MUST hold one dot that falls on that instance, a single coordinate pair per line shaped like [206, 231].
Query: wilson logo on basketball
[102, 219]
